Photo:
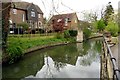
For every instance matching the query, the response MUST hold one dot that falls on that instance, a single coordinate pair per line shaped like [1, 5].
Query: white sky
[76, 6]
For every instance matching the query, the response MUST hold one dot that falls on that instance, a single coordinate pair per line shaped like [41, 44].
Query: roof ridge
[64, 14]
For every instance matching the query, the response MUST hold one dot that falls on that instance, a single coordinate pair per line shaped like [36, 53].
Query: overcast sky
[67, 6]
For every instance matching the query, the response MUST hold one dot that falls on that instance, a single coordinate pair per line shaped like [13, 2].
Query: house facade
[63, 22]
[24, 12]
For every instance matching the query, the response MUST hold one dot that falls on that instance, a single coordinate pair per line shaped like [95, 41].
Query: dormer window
[32, 14]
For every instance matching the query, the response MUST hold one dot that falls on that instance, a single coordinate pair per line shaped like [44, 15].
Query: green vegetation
[18, 45]
[70, 33]
[100, 25]
[73, 33]
[107, 23]
[112, 28]
[24, 25]
[107, 13]
[87, 33]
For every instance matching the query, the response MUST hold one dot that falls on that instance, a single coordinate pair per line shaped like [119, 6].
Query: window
[39, 15]
[75, 21]
[32, 14]
[59, 20]
[23, 17]
[66, 21]
[14, 11]
[53, 21]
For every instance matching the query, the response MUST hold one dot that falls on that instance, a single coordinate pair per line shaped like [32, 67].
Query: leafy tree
[108, 11]
[112, 28]
[87, 33]
[94, 26]
[100, 25]
[24, 25]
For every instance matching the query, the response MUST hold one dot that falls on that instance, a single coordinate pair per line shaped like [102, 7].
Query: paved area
[116, 53]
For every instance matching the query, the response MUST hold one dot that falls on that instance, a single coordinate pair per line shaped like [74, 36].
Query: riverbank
[19, 46]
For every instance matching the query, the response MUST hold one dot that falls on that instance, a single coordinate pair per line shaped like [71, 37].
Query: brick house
[30, 13]
[63, 22]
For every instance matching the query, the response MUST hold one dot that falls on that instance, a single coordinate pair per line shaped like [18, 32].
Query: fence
[110, 62]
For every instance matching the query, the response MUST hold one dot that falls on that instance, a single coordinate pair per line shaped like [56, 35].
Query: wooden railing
[110, 62]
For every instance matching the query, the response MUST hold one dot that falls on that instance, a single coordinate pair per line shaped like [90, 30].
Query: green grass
[18, 45]
[26, 43]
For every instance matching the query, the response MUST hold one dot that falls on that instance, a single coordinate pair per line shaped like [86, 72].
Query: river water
[78, 60]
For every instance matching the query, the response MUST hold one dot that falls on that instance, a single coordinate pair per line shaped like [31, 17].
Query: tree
[5, 23]
[24, 25]
[113, 28]
[108, 12]
[90, 16]
[100, 25]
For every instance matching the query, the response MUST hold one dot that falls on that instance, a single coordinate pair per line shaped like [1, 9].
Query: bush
[73, 33]
[113, 28]
[15, 52]
[101, 25]
[24, 25]
[59, 36]
[87, 33]
[66, 34]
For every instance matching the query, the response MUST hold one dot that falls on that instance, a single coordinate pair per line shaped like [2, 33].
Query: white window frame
[23, 16]
[66, 21]
[32, 14]
[39, 16]
[75, 21]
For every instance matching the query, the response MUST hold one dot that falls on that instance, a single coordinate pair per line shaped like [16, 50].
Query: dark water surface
[78, 60]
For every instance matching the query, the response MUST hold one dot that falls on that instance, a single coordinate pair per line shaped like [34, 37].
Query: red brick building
[63, 22]
[30, 13]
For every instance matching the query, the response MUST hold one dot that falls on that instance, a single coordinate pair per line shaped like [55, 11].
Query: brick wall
[18, 17]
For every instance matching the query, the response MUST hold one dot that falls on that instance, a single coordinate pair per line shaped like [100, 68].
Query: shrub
[24, 25]
[66, 34]
[101, 25]
[113, 28]
[59, 35]
[87, 33]
[73, 33]
[15, 52]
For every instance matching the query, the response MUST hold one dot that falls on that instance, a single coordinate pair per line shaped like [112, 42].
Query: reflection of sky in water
[68, 71]
[81, 60]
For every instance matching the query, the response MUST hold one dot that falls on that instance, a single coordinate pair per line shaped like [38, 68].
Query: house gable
[64, 21]
[32, 13]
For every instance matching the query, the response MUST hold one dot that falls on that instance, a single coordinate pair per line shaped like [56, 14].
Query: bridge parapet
[109, 70]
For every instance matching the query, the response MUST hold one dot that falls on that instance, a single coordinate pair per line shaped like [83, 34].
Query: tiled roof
[25, 5]
[38, 9]
[63, 16]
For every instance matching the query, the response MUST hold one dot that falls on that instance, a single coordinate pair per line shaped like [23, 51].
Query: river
[77, 60]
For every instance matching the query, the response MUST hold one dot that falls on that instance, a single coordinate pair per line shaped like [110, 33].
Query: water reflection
[87, 62]
[64, 70]
[79, 60]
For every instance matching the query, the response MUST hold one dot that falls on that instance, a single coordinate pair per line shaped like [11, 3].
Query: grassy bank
[18, 45]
